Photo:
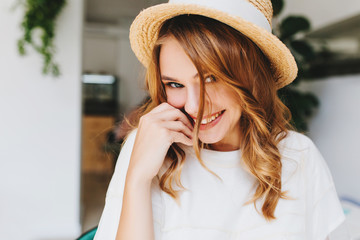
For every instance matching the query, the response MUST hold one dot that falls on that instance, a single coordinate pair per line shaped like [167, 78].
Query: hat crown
[264, 6]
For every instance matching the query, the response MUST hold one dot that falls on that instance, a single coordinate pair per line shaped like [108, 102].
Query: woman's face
[220, 124]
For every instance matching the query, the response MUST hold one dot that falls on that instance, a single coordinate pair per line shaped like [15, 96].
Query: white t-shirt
[214, 209]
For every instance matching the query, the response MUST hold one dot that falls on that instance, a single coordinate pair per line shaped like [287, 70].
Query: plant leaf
[278, 6]
[292, 25]
[303, 48]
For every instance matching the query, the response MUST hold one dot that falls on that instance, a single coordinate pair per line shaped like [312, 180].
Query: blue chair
[88, 235]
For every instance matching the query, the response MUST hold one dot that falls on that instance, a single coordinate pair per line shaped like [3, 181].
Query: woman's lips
[209, 118]
[213, 122]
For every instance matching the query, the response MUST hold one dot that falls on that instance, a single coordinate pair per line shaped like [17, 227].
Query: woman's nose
[192, 100]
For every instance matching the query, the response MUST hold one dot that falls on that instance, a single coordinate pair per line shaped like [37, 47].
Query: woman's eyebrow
[164, 77]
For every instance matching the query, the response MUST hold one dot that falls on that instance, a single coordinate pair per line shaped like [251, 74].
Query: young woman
[212, 154]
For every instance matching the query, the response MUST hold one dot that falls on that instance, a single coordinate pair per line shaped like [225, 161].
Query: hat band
[240, 8]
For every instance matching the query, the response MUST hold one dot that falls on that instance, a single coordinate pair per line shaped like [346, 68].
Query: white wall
[40, 132]
[335, 129]
[322, 12]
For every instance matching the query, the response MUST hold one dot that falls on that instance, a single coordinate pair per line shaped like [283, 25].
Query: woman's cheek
[176, 100]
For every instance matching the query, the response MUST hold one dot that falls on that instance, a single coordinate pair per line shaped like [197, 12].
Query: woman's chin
[209, 139]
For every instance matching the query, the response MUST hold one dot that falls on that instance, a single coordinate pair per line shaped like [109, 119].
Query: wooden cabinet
[94, 134]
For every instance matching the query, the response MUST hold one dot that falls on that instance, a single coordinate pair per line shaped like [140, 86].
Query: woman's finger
[174, 114]
[179, 137]
[166, 112]
[162, 107]
[178, 126]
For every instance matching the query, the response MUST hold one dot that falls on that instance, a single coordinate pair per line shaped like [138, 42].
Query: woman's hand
[157, 130]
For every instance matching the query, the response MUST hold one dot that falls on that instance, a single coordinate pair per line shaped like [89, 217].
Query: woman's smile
[210, 120]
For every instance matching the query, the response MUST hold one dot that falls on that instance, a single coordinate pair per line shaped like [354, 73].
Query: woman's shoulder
[296, 141]
[299, 148]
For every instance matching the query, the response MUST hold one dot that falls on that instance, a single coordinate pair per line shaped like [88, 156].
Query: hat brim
[145, 29]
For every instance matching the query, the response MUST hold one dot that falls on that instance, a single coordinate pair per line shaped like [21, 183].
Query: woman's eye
[174, 85]
[210, 79]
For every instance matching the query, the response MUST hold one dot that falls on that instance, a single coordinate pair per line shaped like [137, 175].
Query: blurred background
[59, 136]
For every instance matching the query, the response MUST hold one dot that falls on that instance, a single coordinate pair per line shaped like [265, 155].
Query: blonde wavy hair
[237, 62]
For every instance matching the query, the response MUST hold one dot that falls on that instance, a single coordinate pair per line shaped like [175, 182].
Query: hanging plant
[38, 28]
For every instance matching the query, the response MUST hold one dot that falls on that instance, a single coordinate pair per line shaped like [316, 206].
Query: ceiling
[342, 37]
[112, 11]
[348, 28]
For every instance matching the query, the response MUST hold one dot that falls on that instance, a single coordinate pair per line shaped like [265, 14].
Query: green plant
[300, 104]
[40, 16]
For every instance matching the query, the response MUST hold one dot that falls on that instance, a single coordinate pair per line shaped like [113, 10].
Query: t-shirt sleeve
[110, 217]
[324, 211]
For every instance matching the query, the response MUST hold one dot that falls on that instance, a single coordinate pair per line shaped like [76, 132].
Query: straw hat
[250, 17]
